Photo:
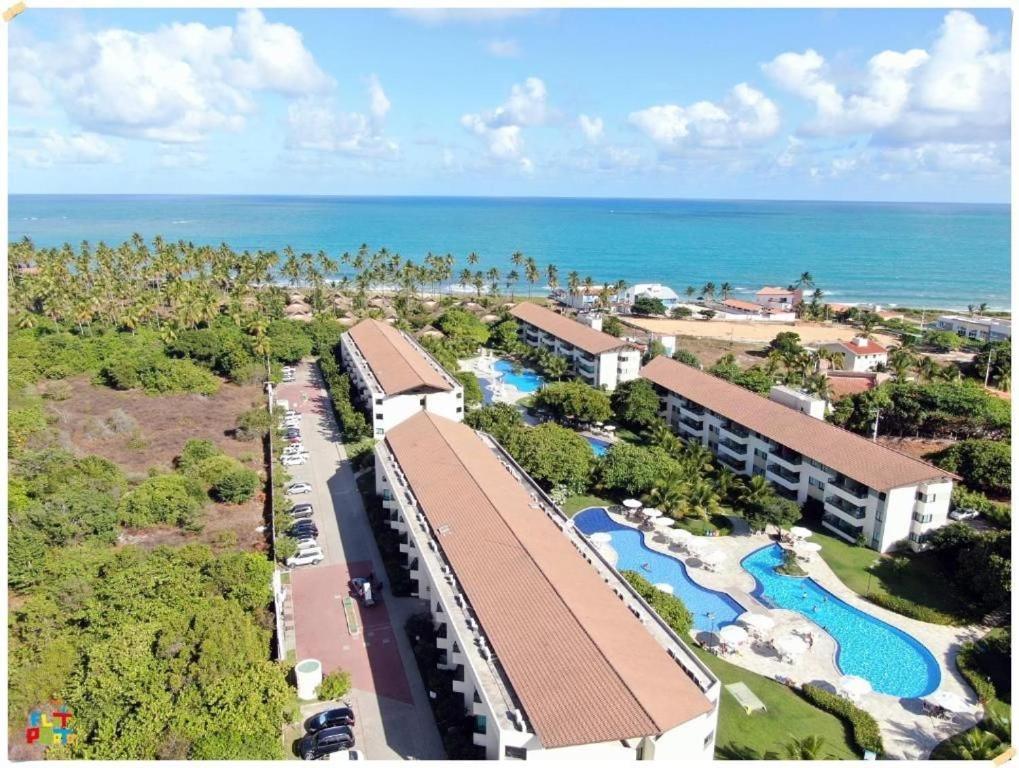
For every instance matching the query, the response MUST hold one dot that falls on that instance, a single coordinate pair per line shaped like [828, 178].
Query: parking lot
[394, 717]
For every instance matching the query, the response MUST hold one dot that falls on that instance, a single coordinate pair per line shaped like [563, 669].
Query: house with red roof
[858, 354]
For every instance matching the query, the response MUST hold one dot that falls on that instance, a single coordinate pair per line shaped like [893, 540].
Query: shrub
[284, 547]
[669, 607]
[985, 465]
[195, 452]
[156, 374]
[911, 609]
[253, 423]
[163, 499]
[966, 661]
[574, 400]
[235, 486]
[334, 686]
[866, 733]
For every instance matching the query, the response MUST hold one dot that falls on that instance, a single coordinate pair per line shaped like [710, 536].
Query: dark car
[303, 530]
[329, 718]
[321, 743]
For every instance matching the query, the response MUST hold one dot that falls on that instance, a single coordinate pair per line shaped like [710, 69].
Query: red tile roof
[749, 306]
[582, 666]
[870, 347]
[843, 386]
[579, 335]
[775, 290]
[399, 365]
[843, 451]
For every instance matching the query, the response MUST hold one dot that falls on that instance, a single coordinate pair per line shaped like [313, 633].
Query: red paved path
[372, 658]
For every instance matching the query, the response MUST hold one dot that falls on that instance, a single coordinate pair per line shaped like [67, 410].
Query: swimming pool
[894, 662]
[526, 381]
[598, 446]
[710, 609]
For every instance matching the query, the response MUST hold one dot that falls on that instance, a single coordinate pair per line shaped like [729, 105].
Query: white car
[292, 415]
[294, 459]
[347, 754]
[306, 544]
[296, 488]
[308, 557]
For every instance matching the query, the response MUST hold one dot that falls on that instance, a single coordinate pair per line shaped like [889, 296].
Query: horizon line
[504, 197]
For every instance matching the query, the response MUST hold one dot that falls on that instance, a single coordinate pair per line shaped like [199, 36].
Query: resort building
[581, 298]
[860, 354]
[664, 293]
[780, 298]
[553, 654]
[865, 490]
[597, 358]
[983, 328]
[392, 377]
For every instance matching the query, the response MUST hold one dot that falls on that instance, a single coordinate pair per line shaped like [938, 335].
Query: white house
[664, 293]
[780, 298]
[597, 358]
[582, 298]
[866, 490]
[737, 309]
[858, 354]
[984, 328]
[554, 655]
[393, 377]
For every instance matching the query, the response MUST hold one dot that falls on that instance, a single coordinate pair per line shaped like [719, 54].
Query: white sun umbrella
[664, 522]
[663, 587]
[759, 622]
[679, 535]
[808, 546]
[632, 504]
[799, 532]
[853, 685]
[695, 543]
[733, 634]
[714, 557]
[791, 645]
[949, 701]
[601, 537]
[652, 513]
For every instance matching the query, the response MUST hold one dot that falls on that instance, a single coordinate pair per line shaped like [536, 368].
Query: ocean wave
[183, 221]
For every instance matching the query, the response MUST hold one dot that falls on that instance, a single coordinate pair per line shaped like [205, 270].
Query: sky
[910, 105]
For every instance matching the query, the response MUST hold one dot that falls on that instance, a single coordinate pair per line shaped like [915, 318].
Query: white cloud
[746, 116]
[55, 148]
[317, 125]
[178, 156]
[175, 84]
[591, 127]
[502, 128]
[435, 17]
[503, 49]
[958, 91]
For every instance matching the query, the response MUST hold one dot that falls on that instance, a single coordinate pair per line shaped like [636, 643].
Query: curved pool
[600, 447]
[710, 609]
[894, 662]
[524, 380]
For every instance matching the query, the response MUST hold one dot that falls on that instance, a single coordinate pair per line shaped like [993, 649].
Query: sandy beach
[750, 332]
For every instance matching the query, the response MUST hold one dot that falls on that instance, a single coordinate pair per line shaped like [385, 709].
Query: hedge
[911, 609]
[969, 669]
[351, 420]
[669, 607]
[866, 734]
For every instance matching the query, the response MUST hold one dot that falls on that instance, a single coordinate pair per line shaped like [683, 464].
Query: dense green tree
[289, 341]
[504, 336]
[941, 341]
[999, 353]
[464, 332]
[633, 469]
[164, 499]
[985, 465]
[646, 305]
[636, 404]
[194, 453]
[472, 387]
[574, 400]
[553, 455]
[497, 419]
[773, 511]
[613, 326]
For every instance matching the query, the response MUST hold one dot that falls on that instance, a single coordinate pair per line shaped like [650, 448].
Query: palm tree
[901, 362]
[669, 495]
[726, 289]
[708, 290]
[573, 282]
[701, 499]
[979, 745]
[472, 258]
[532, 274]
[806, 748]
[690, 291]
[552, 274]
[465, 277]
[517, 258]
[755, 492]
[926, 368]
[806, 280]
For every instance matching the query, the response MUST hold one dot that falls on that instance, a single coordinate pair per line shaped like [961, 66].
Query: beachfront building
[859, 354]
[596, 358]
[780, 298]
[737, 309]
[392, 377]
[866, 490]
[976, 327]
[554, 655]
[582, 298]
[664, 293]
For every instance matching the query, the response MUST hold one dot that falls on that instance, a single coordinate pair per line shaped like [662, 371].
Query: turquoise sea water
[943, 255]
[894, 662]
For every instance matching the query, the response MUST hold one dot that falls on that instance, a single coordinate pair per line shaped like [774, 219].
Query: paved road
[393, 712]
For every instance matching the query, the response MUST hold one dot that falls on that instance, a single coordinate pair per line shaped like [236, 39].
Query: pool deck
[906, 731]
[483, 366]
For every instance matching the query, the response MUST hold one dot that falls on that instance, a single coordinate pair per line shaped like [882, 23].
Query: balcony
[691, 425]
[843, 528]
[789, 459]
[783, 475]
[846, 507]
[739, 449]
[848, 486]
[692, 409]
[739, 465]
[734, 430]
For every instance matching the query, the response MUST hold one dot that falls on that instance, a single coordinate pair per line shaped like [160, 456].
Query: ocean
[907, 254]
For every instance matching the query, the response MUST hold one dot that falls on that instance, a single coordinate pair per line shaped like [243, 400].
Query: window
[477, 698]
[480, 724]
[816, 483]
[378, 416]
[379, 432]
[516, 753]
[378, 401]
[459, 395]
[422, 402]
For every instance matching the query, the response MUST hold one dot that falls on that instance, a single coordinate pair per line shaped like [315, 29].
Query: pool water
[526, 381]
[710, 609]
[598, 446]
[894, 662]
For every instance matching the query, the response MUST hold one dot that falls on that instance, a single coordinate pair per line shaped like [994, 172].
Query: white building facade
[498, 688]
[780, 298]
[393, 377]
[983, 328]
[663, 293]
[867, 492]
[858, 355]
[595, 357]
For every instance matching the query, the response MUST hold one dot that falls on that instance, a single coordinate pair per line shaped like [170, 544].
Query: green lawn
[865, 571]
[718, 525]
[574, 504]
[741, 736]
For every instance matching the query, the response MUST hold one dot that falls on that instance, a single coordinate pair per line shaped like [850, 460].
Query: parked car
[308, 551]
[298, 488]
[296, 450]
[293, 460]
[963, 514]
[302, 529]
[293, 414]
[349, 754]
[303, 506]
[329, 718]
[325, 742]
[293, 436]
[311, 557]
[300, 514]
[308, 543]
